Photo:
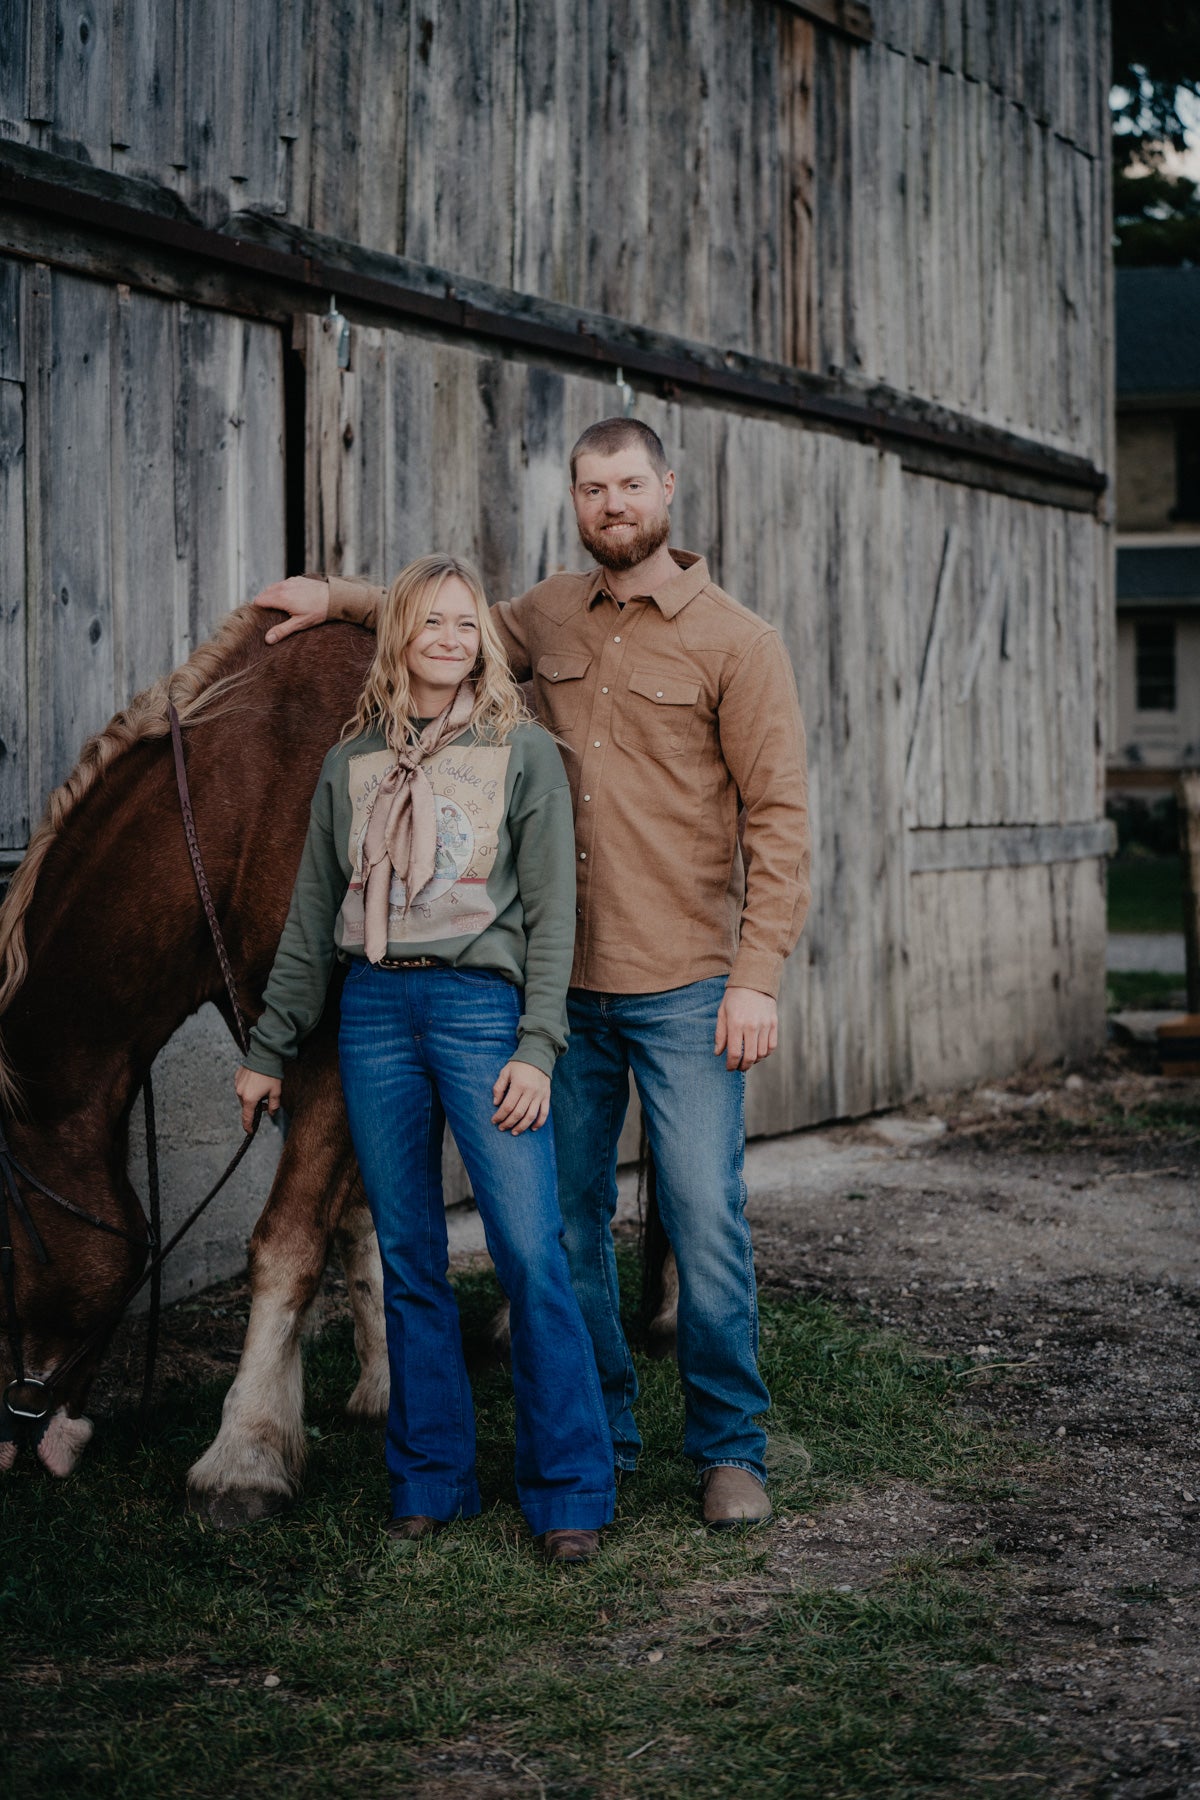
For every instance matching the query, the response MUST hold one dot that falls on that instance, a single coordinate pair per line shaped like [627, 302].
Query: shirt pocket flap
[664, 690]
[562, 665]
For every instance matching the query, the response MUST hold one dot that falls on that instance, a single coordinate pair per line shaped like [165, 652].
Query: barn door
[141, 497]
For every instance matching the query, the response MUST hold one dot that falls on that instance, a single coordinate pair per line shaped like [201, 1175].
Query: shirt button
[587, 796]
[583, 856]
[604, 690]
[658, 695]
[595, 743]
[616, 640]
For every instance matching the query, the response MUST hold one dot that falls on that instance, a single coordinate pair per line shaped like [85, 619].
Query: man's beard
[619, 554]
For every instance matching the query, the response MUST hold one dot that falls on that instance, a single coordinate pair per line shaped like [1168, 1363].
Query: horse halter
[13, 1173]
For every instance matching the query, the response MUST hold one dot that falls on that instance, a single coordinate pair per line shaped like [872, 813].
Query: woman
[439, 865]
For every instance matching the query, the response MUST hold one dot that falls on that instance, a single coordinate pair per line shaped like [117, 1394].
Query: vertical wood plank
[338, 76]
[549, 243]
[14, 761]
[76, 601]
[617, 103]
[15, 22]
[474, 62]
[82, 82]
[40, 67]
[206, 51]
[730, 232]
[798, 121]
[698, 178]
[143, 80]
[383, 126]
[149, 576]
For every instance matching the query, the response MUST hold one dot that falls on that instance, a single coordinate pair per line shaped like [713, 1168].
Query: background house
[852, 260]
[1158, 529]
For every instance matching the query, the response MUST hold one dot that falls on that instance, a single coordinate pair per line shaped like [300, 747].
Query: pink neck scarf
[401, 833]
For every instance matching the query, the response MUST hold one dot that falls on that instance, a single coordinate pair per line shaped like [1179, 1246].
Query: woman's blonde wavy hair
[386, 700]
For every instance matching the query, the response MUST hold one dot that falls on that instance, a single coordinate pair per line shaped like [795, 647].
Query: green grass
[1145, 893]
[1142, 990]
[140, 1639]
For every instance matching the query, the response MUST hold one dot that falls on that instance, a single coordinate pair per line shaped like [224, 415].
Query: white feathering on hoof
[63, 1442]
[500, 1331]
[257, 1458]
[359, 1252]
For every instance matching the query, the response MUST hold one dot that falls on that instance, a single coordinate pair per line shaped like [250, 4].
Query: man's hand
[251, 1088]
[747, 1027]
[521, 1097]
[302, 597]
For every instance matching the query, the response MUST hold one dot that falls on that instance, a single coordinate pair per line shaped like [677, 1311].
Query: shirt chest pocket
[559, 686]
[659, 713]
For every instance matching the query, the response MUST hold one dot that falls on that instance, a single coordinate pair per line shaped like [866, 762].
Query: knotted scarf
[401, 833]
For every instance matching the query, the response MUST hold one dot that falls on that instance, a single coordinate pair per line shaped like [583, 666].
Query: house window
[1187, 467]
[1156, 668]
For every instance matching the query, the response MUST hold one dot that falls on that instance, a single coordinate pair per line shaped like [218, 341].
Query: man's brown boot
[733, 1497]
[415, 1525]
[567, 1548]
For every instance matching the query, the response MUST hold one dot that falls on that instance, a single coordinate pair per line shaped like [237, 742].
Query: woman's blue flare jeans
[419, 1047]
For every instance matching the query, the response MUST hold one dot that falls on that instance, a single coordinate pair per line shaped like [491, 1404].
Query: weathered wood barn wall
[852, 261]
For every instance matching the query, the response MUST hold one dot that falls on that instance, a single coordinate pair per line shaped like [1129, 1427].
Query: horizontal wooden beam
[934, 851]
[846, 16]
[91, 221]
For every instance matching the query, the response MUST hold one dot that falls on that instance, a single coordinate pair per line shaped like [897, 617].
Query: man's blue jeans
[418, 1047]
[695, 1121]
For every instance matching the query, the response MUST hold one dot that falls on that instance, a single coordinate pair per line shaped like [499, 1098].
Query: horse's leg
[359, 1251]
[660, 1277]
[254, 1465]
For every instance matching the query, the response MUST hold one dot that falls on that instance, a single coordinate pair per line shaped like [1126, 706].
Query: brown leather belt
[410, 962]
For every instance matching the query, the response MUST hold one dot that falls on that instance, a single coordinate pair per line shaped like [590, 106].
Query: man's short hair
[611, 435]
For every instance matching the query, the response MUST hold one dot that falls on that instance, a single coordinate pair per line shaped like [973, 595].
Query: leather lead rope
[206, 900]
[155, 1194]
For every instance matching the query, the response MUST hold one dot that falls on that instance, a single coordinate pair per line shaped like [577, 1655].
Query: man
[675, 707]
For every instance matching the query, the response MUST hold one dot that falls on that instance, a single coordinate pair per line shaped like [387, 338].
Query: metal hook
[626, 393]
[336, 323]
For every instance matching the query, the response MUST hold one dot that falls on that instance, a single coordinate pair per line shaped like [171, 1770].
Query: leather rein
[28, 1400]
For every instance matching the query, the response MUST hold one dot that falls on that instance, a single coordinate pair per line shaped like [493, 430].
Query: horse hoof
[660, 1341]
[368, 1404]
[235, 1507]
[8, 1455]
[63, 1442]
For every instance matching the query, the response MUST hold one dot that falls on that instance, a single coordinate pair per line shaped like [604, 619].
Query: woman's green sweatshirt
[502, 895]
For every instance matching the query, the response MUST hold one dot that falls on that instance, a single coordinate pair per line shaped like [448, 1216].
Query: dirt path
[1047, 1228]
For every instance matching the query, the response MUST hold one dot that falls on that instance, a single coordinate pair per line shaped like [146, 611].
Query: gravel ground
[1047, 1228]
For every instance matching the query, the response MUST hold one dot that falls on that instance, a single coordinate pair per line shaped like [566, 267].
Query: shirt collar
[674, 593]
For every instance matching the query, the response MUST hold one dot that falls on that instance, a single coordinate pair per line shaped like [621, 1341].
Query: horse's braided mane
[207, 674]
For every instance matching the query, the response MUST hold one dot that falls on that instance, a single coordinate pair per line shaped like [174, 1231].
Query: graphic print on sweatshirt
[468, 788]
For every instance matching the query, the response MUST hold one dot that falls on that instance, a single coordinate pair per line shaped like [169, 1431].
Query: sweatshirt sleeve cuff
[757, 969]
[535, 1048]
[355, 602]
[263, 1062]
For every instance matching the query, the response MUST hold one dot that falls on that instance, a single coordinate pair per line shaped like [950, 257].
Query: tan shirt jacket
[672, 713]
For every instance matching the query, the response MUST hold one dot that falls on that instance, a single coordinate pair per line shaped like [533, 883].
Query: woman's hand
[522, 1098]
[251, 1088]
[303, 597]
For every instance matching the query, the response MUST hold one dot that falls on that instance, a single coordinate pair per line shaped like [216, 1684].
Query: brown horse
[103, 954]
